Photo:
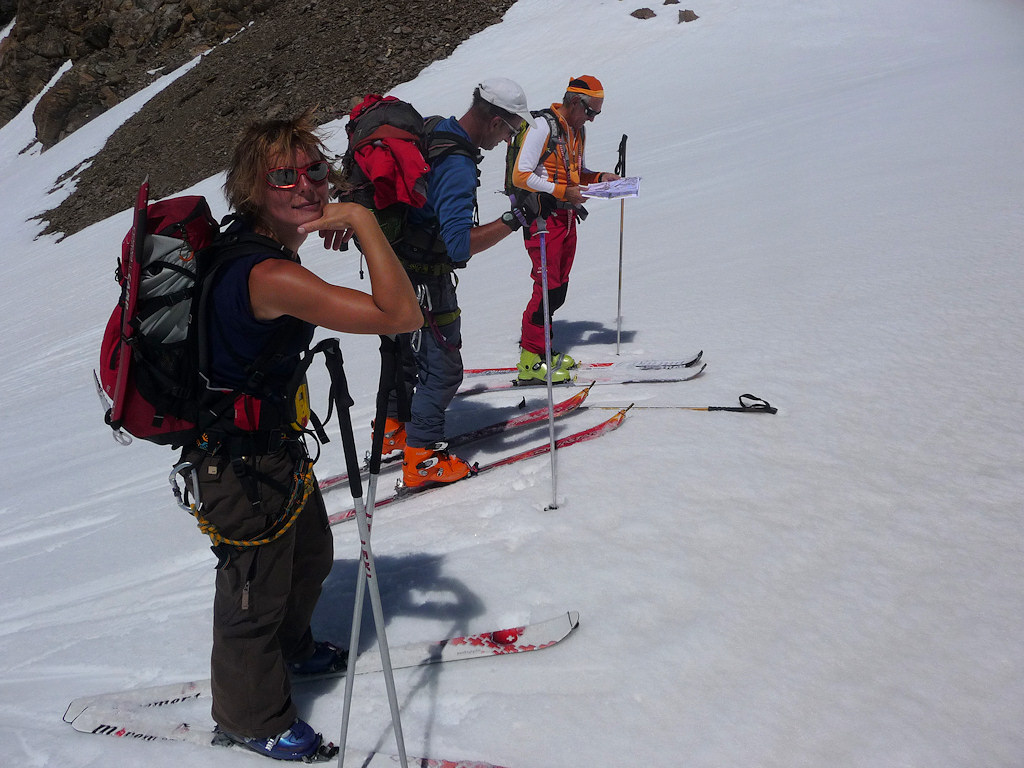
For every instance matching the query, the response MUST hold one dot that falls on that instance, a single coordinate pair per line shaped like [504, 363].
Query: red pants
[560, 250]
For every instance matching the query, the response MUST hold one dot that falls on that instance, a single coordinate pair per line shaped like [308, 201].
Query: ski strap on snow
[748, 403]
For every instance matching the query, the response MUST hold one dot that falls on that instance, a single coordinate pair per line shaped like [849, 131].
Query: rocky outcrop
[115, 47]
[297, 54]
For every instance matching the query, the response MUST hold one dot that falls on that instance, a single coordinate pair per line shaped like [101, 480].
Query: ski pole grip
[343, 401]
[748, 404]
[389, 352]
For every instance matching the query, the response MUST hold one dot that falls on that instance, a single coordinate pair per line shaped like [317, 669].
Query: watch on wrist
[511, 221]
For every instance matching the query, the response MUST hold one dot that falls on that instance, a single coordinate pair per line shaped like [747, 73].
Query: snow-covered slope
[832, 209]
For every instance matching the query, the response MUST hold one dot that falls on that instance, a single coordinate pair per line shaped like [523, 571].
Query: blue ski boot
[299, 742]
[326, 658]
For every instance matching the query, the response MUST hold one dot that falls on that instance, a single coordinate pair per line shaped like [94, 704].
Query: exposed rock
[687, 16]
[643, 13]
[112, 44]
[295, 54]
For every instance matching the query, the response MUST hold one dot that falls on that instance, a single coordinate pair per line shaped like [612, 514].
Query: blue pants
[434, 368]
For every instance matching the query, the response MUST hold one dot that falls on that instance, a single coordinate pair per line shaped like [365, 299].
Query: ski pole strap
[748, 404]
[329, 348]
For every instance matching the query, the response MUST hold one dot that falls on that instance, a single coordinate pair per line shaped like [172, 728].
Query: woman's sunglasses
[286, 177]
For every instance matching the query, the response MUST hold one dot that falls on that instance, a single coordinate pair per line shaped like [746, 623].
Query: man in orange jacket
[551, 164]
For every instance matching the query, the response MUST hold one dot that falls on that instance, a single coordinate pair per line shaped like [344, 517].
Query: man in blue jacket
[439, 238]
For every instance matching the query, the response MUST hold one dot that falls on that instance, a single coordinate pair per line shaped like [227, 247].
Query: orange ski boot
[432, 464]
[394, 436]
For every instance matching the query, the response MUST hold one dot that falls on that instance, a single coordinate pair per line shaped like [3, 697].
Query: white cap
[506, 94]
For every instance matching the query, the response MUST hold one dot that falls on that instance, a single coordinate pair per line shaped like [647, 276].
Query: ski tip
[574, 619]
[82, 719]
[578, 398]
[77, 707]
[74, 710]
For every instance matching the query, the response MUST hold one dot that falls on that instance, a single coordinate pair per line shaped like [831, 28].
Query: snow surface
[832, 210]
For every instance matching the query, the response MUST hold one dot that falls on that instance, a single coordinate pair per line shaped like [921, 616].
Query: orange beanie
[588, 85]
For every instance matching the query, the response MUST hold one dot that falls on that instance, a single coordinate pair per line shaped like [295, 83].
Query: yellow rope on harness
[302, 486]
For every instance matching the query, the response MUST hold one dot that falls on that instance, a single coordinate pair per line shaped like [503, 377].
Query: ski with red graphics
[403, 493]
[499, 642]
[568, 405]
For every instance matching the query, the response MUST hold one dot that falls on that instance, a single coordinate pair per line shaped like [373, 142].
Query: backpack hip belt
[258, 443]
[421, 268]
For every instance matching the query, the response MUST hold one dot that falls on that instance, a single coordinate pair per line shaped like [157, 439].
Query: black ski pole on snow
[748, 404]
[620, 170]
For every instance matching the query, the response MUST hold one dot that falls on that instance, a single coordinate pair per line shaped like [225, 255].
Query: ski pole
[620, 170]
[542, 233]
[367, 575]
[748, 404]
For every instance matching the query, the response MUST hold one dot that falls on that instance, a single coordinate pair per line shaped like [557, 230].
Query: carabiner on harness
[190, 482]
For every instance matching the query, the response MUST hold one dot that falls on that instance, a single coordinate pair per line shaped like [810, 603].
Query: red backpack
[148, 366]
[391, 148]
[154, 351]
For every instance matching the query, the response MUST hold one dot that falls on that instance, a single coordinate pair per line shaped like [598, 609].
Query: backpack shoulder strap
[441, 144]
[438, 146]
[236, 240]
[233, 243]
[512, 153]
[554, 128]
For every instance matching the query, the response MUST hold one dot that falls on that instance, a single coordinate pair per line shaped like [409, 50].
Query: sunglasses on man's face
[286, 177]
[512, 130]
[590, 113]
